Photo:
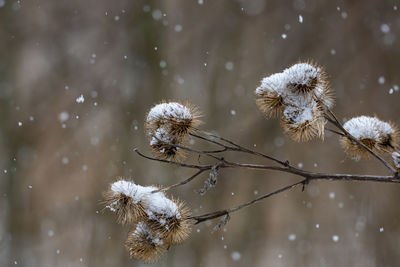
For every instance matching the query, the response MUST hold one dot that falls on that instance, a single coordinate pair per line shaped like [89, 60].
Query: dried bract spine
[377, 135]
[144, 244]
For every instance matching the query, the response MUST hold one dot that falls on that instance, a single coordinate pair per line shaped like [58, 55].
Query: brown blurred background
[57, 156]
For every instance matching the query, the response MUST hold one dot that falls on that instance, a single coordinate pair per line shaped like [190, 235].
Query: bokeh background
[57, 156]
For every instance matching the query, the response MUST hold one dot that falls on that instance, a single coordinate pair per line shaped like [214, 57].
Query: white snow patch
[80, 99]
[292, 237]
[178, 28]
[156, 14]
[168, 111]
[274, 83]
[302, 73]
[385, 28]
[163, 64]
[65, 160]
[236, 256]
[229, 65]
[63, 116]
[365, 127]
[396, 159]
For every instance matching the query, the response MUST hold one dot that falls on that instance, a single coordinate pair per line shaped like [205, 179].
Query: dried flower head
[304, 121]
[377, 135]
[300, 94]
[121, 198]
[396, 159]
[271, 93]
[180, 119]
[305, 77]
[159, 221]
[167, 124]
[163, 144]
[174, 229]
[144, 244]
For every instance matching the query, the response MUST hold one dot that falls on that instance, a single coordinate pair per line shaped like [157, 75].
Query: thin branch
[193, 166]
[302, 173]
[335, 132]
[180, 183]
[216, 214]
[238, 148]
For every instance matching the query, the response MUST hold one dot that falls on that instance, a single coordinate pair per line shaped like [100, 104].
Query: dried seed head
[300, 95]
[305, 77]
[271, 93]
[159, 221]
[119, 199]
[163, 144]
[175, 229]
[304, 125]
[167, 124]
[179, 119]
[144, 244]
[303, 120]
[377, 135]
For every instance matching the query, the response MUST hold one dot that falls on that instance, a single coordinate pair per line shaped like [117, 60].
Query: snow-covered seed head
[271, 93]
[163, 144]
[305, 77]
[119, 198]
[303, 123]
[174, 229]
[178, 118]
[299, 95]
[167, 124]
[144, 244]
[377, 135]
[396, 159]
[159, 221]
